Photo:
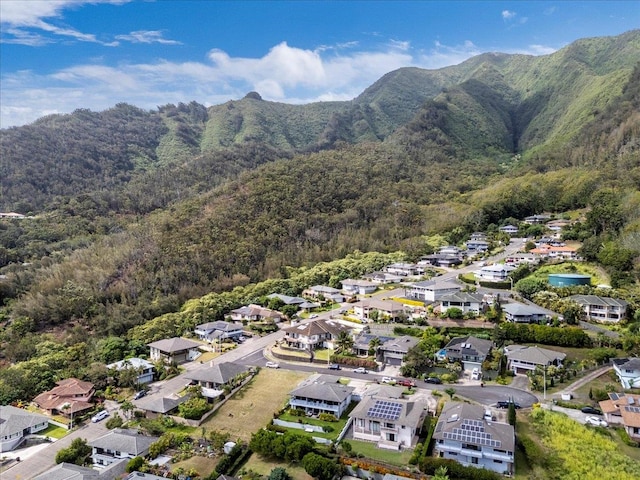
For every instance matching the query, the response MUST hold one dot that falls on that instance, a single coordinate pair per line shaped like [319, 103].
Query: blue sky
[56, 56]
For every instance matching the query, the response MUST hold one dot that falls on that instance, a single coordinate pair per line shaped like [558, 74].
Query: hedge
[354, 361]
[429, 465]
[229, 463]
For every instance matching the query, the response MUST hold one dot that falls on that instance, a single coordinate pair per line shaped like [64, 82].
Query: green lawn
[263, 467]
[54, 431]
[336, 426]
[370, 450]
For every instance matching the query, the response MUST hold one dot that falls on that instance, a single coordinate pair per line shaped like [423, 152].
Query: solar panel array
[472, 431]
[632, 409]
[386, 410]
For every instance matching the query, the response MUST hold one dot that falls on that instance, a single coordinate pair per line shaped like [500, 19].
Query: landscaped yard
[264, 467]
[54, 431]
[203, 465]
[370, 450]
[253, 406]
[336, 427]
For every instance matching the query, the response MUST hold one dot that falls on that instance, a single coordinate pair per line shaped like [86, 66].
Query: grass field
[370, 450]
[253, 406]
[203, 465]
[54, 431]
[264, 467]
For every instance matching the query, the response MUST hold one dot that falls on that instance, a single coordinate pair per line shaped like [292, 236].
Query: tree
[374, 343]
[279, 473]
[344, 342]
[319, 467]
[441, 474]
[127, 407]
[135, 464]
[511, 414]
[75, 453]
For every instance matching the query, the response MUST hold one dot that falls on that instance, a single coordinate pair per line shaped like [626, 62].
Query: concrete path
[586, 379]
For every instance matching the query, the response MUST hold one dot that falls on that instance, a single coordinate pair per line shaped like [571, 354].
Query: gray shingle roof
[630, 363]
[14, 420]
[477, 346]
[68, 471]
[160, 404]
[596, 300]
[175, 344]
[220, 373]
[333, 392]
[401, 344]
[124, 441]
[535, 355]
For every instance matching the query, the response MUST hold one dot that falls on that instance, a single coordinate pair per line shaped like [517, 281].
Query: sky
[60, 55]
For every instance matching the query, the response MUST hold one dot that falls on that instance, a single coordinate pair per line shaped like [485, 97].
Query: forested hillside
[137, 212]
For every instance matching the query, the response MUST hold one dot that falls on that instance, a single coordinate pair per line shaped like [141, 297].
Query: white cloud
[23, 21]
[508, 15]
[147, 36]
[550, 10]
[540, 50]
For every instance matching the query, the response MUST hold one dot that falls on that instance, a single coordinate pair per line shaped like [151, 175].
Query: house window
[375, 427]
[388, 425]
[474, 460]
[391, 437]
[361, 422]
[497, 461]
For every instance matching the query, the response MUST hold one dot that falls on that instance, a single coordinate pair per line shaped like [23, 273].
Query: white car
[387, 380]
[101, 415]
[595, 421]
[272, 365]
[360, 370]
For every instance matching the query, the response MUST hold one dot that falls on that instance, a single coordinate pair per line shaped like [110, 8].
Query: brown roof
[71, 387]
[64, 393]
[624, 404]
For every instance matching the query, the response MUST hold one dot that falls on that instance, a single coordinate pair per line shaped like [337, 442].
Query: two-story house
[521, 258]
[601, 309]
[469, 351]
[516, 312]
[467, 302]
[393, 351]
[498, 272]
[17, 424]
[255, 313]
[314, 335]
[392, 423]
[403, 269]
[119, 444]
[510, 230]
[213, 331]
[524, 358]
[144, 369]
[430, 291]
[319, 292]
[319, 397]
[69, 397]
[623, 409]
[352, 286]
[464, 435]
[389, 309]
[628, 371]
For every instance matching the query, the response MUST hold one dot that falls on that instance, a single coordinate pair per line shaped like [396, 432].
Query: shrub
[194, 408]
[135, 464]
[114, 422]
[624, 436]
[327, 417]
[429, 465]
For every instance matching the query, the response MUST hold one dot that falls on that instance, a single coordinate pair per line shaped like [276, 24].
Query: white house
[392, 423]
[601, 309]
[216, 377]
[389, 308]
[16, 424]
[383, 277]
[358, 287]
[119, 444]
[628, 371]
[516, 312]
[394, 350]
[318, 397]
[144, 368]
[464, 435]
[523, 358]
[212, 331]
[314, 335]
[467, 302]
[430, 291]
[323, 291]
[520, 258]
[510, 230]
[497, 272]
[255, 313]
[470, 351]
[176, 349]
[403, 269]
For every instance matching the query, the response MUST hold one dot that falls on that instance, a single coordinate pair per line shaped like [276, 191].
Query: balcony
[295, 402]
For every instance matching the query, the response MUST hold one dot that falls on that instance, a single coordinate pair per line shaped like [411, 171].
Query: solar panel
[439, 427]
[630, 401]
[632, 409]
[468, 436]
[613, 396]
[385, 410]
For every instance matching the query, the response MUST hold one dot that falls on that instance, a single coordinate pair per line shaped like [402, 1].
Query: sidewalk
[586, 379]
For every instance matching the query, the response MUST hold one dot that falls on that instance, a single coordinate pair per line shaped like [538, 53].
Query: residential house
[12, 215]
[69, 397]
[70, 471]
[498, 272]
[393, 351]
[628, 371]
[467, 302]
[118, 444]
[219, 330]
[623, 409]
[469, 351]
[176, 349]
[443, 259]
[363, 340]
[319, 397]
[464, 435]
[430, 291]
[144, 369]
[383, 278]
[516, 312]
[155, 406]
[255, 313]
[388, 309]
[510, 230]
[216, 377]
[601, 309]
[402, 269]
[550, 252]
[286, 299]
[557, 225]
[478, 236]
[358, 287]
[475, 246]
[523, 358]
[314, 335]
[523, 259]
[552, 242]
[17, 424]
[392, 423]
[537, 219]
[318, 292]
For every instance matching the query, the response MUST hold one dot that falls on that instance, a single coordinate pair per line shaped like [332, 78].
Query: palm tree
[344, 342]
[441, 474]
[374, 343]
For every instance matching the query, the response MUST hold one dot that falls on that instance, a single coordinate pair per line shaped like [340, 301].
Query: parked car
[315, 315]
[101, 415]
[334, 366]
[272, 365]
[360, 370]
[434, 380]
[502, 404]
[406, 382]
[139, 394]
[596, 422]
[387, 380]
[475, 374]
[591, 411]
